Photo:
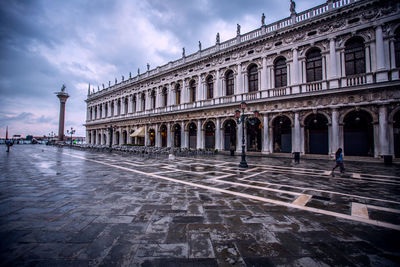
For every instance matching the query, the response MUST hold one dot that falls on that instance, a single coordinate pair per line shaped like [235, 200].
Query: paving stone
[59, 210]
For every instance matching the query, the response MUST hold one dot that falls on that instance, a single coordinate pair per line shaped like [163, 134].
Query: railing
[314, 86]
[252, 95]
[278, 92]
[356, 80]
[227, 99]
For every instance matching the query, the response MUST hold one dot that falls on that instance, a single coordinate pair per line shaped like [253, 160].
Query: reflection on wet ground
[61, 206]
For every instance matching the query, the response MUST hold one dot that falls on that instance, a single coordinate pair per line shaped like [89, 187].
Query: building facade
[321, 79]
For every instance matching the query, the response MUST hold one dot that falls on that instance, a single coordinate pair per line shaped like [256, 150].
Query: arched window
[280, 72]
[134, 103]
[210, 87]
[397, 47]
[314, 65]
[165, 96]
[153, 99]
[355, 56]
[229, 83]
[143, 101]
[126, 105]
[178, 94]
[253, 78]
[192, 91]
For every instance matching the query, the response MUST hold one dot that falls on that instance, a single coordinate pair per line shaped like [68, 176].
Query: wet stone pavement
[68, 207]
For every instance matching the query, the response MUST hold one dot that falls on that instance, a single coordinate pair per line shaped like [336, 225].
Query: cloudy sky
[47, 43]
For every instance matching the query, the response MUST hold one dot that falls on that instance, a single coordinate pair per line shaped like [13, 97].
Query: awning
[138, 132]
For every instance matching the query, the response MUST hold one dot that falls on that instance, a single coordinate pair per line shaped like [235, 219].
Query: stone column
[218, 134]
[168, 134]
[239, 80]
[265, 134]
[104, 115]
[130, 106]
[183, 141]
[297, 133]
[108, 109]
[239, 138]
[146, 135]
[395, 74]
[335, 131]
[186, 138]
[199, 135]
[217, 88]
[157, 136]
[383, 131]
[87, 137]
[62, 96]
[264, 74]
[120, 137]
[122, 105]
[381, 75]
[295, 72]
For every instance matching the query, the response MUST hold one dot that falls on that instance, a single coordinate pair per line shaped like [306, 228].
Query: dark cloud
[45, 43]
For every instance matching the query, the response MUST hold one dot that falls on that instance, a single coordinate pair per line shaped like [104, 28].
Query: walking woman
[339, 161]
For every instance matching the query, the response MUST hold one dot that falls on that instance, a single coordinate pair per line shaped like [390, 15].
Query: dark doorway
[358, 134]
[192, 136]
[210, 135]
[254, 135]
[152, 137]
[177, 135]
[163, 132]
[125, 137]
[229, 135]
[316, 133]
[282, 130]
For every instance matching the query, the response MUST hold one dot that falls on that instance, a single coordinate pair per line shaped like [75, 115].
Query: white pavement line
[328, 173]
[324, 191]
[383, 209]
[321, 175]
[260, 187]
[302, 200]
[252, 175]
[139, 164]
[250, 170]
[248, 196]
[304, 169]
[356, 175]
[221, 177]
[359, 210]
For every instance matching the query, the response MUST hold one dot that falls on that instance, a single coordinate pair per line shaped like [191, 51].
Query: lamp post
[242, 118]
[71, 132]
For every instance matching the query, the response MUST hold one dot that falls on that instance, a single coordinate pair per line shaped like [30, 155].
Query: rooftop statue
[238, 29]
[217, 38]
[148, 66]
[292, 7]
[262, 19]
[63, 88]
[183, 52]
[199, 45]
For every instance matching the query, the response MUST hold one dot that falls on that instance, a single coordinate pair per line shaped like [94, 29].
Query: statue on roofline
[292, 7]
[262, 19]
[238, 29]
[217, 38]
[199, 45]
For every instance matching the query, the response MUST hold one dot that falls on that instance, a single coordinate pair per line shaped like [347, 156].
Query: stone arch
[189, 122]
[303, 119]
[349, 37]
[209, 134]
[206, 121]
[281, 127]
[229, 126]
[224, 120]
[358, 133]
[371, 113]
[393, 112]
[316, 136]
[279, 115]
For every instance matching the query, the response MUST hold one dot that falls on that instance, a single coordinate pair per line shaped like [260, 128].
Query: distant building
[323, 78]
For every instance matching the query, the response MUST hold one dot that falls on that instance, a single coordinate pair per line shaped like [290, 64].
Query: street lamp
[242, 118]
[71, 132]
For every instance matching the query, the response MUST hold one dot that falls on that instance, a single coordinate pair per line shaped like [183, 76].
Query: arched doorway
[163, 131]
[316, 134]
[209, 135]
[104, 139]
[152, 137]
[229, 134]
[177, 135]
[358, 134]
[99, 139]
[117, 138]
[253, 135]
[396, 133]
[192, 135]
[282, 131]
[124, 137]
